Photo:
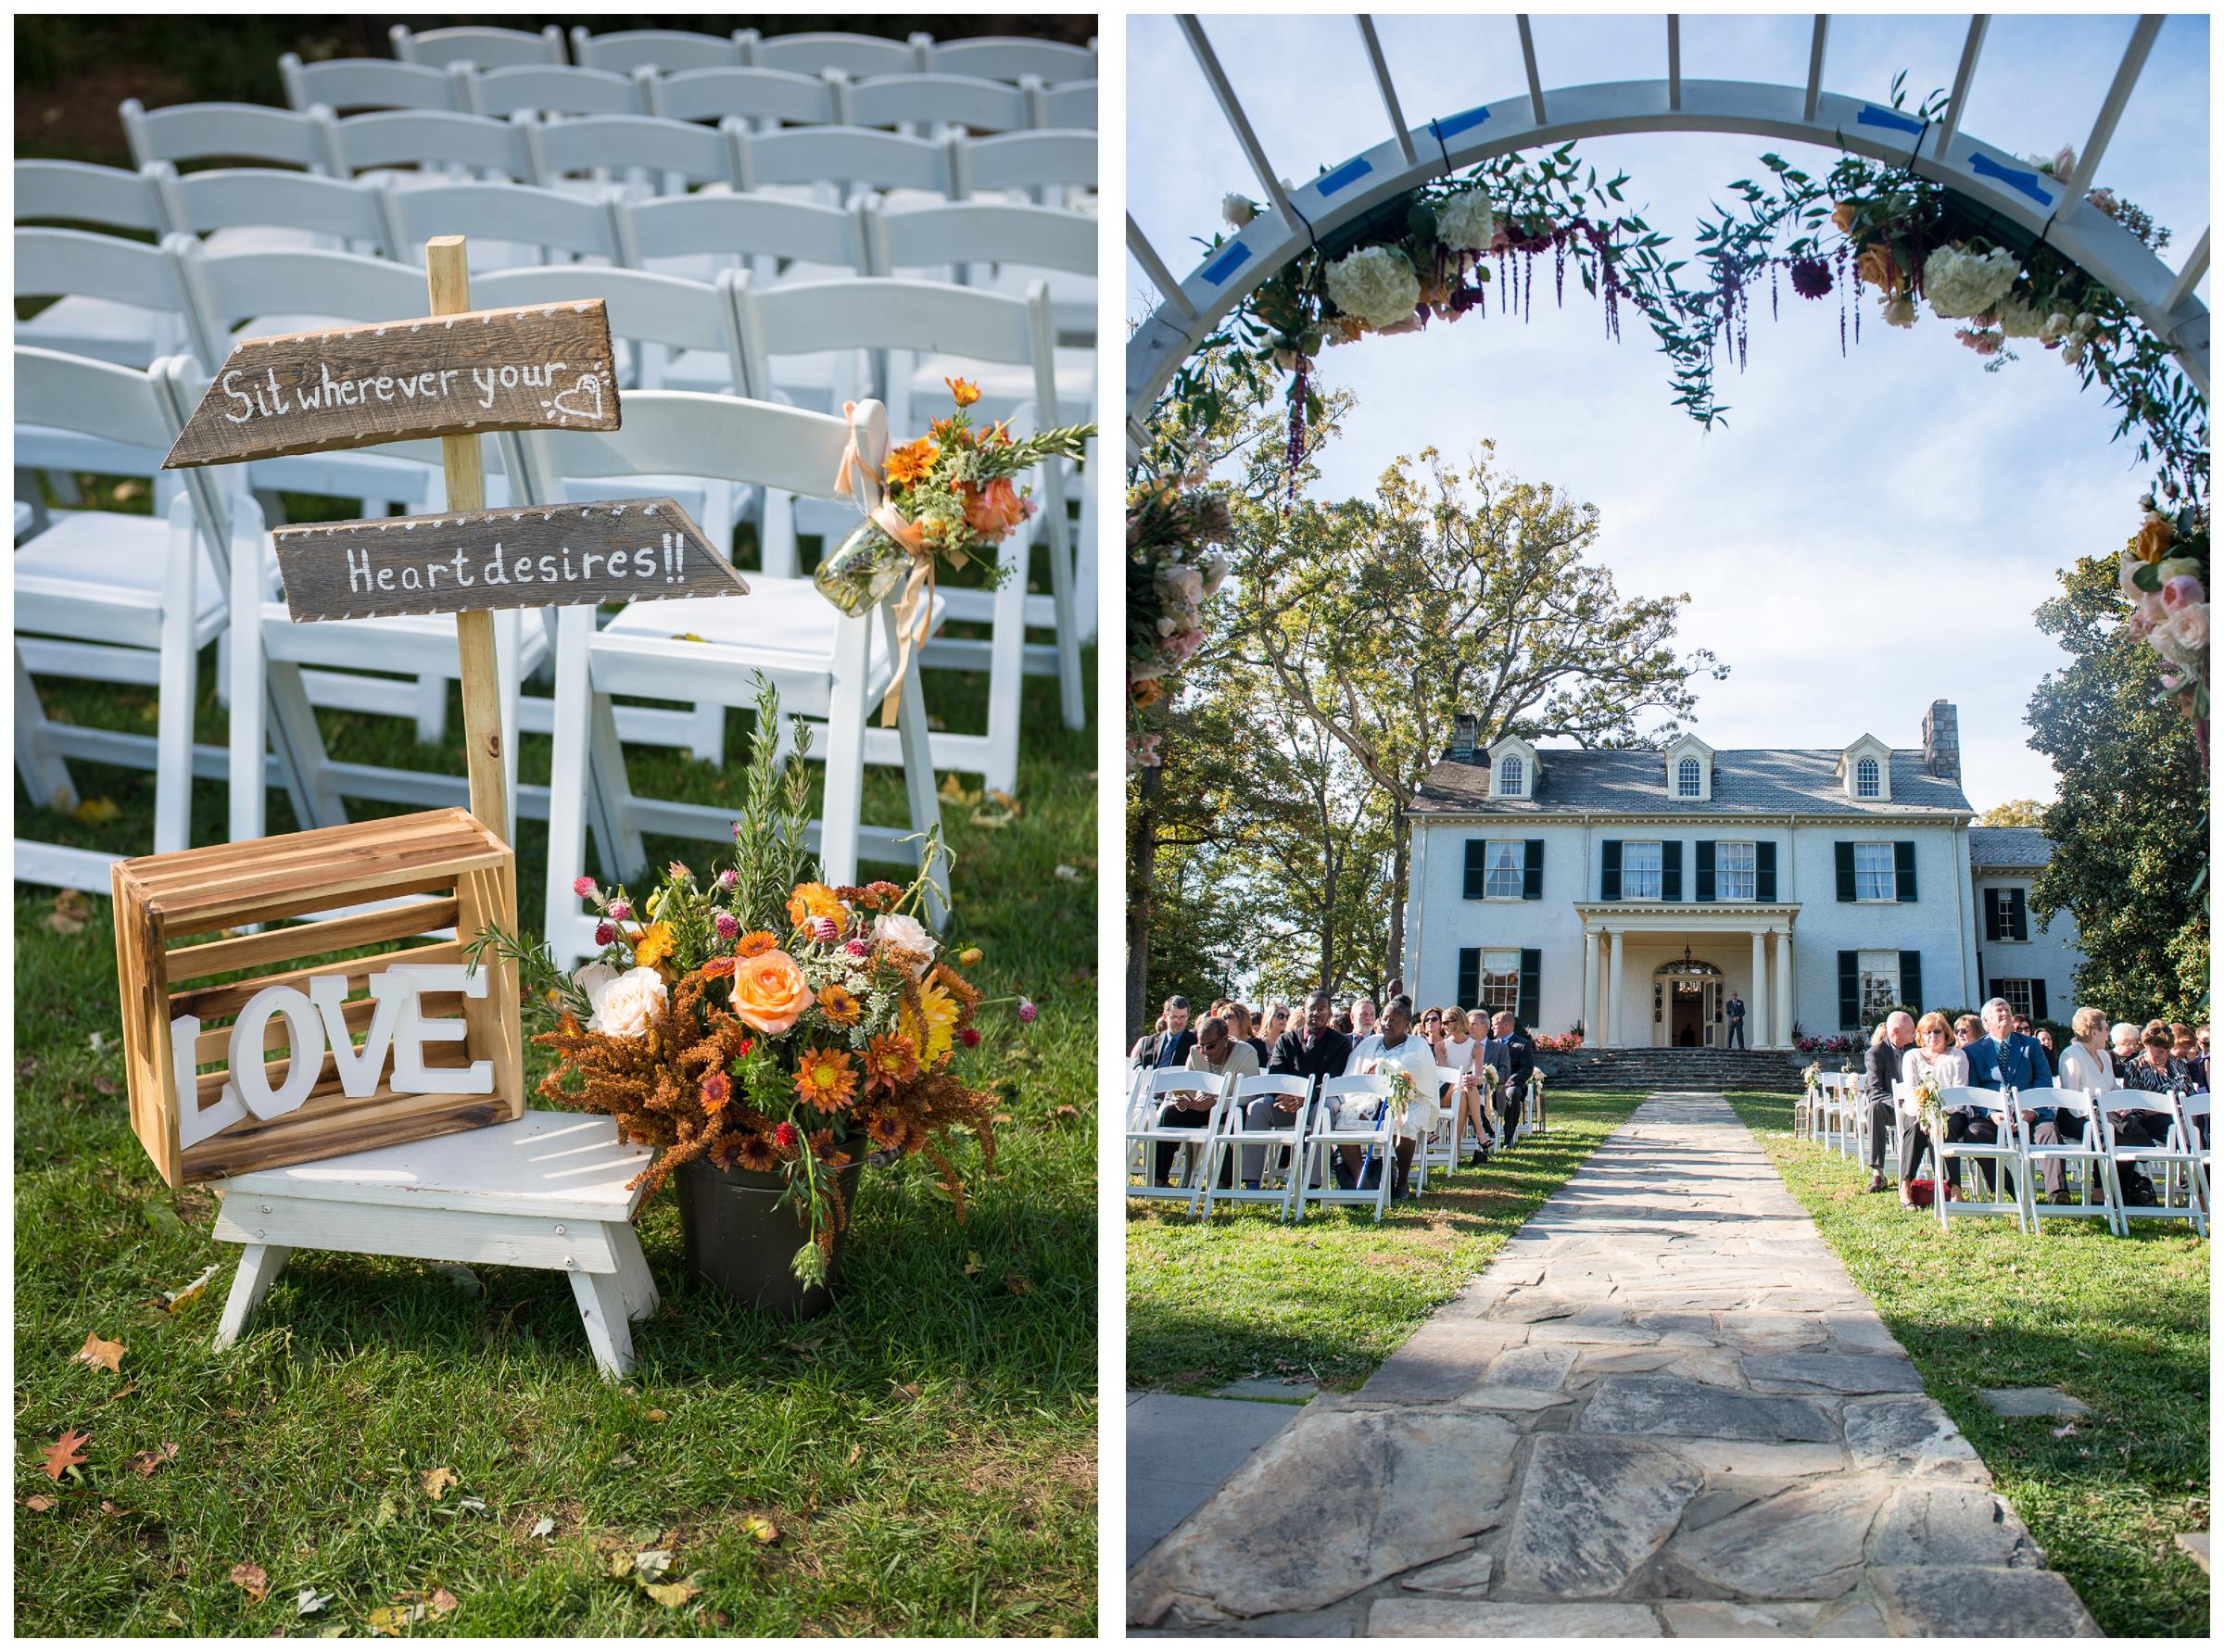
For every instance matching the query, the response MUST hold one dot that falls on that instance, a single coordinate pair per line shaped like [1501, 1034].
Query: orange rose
[1879, 268]
[995, 511]
[769, 993]
[2154, 538]
[1843, 218]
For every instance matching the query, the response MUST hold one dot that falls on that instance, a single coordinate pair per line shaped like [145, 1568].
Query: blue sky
[1867, 535]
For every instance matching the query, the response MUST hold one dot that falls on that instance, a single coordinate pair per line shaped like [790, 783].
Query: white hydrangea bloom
[1376, 284]
[1961, 283]
[2018, 320]
[1465, 222]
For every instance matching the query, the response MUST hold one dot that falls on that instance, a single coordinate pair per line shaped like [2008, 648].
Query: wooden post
[447, 276]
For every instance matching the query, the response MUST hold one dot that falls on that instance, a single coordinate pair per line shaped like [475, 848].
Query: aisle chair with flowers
[2002, 1157]
[2171, 1155]
[1277, 1149]
[2192, 1125]
[1441, 1145]
[1350, 1112]
[1194, 1141]
[2082, 1155]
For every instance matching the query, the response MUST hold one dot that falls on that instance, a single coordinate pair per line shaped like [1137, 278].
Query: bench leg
[603, 1308]
[259, 1265]
[635, 1284]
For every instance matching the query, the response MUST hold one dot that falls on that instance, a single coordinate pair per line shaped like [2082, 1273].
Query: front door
[1688, 1030]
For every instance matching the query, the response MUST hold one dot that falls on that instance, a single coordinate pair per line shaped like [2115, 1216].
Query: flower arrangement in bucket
[763, 1023]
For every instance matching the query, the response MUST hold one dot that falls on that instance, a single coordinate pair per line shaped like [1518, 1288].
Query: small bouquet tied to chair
[770, 1035]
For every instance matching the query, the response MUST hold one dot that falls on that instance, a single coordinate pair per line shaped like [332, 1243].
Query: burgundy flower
[786, 1134]
[1810, 277]
[969, 1037]
[858, 949]
[728, 926]
[1027, 1012]
[605, 934]
[826, 931]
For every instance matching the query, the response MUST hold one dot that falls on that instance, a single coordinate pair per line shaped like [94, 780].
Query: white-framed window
[1641, 871]
[1498, 981]
[1872, 872]
[1509, 776]
[2017, 993]
[1502, 865]
[1879, 985]
[1867, 780]
[1733, 872]
[1686, 777]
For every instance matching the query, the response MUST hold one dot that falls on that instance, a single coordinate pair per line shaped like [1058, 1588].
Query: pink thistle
[826, 931]
[728, 926]
[621, 910]
[605, 934]
[786, 1134]
[584, 888]
[858, 949]
[728, 880]
[1028, 1010]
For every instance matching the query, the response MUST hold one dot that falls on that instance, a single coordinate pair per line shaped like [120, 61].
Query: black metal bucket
[737, 1239]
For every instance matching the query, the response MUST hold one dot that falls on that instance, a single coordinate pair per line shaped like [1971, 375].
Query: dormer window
[1867, 780]
[1686, 777]
[1509, 776]
[1864, 770]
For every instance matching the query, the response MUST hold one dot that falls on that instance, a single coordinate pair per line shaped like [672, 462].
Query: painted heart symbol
[589, 385]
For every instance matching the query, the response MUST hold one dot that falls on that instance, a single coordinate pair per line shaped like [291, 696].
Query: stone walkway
[1663, 1409]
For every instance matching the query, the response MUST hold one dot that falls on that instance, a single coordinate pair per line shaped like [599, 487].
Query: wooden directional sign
[539, 366]
[618, 550]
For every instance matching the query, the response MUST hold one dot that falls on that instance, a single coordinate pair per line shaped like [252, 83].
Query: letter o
[509, 378]
[305, 1038]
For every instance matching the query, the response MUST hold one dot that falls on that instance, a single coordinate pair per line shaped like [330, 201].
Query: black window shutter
[1994, 988]
[1903, 869]
[1702, 869]
[1848, 988]
[1991, 914]
[1471, 970]
[1845, 875]
[2038, 1000]
[1532, 869]
[2017, 922]
[1533, 966]
[1610, 869]
[1764, 871]
[1472, 875]
[1911, 979]
[1672, 870]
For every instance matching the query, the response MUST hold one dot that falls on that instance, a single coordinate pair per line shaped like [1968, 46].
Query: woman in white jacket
[1931, 1058]
[2085, 1065]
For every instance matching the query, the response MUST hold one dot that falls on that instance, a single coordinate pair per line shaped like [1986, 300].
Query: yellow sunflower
[911, 462]
[654, 946]
[939, 1012]
[824, 1079]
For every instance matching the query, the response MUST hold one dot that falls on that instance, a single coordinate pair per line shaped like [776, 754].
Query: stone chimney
[1463, 734]
[1942, 741]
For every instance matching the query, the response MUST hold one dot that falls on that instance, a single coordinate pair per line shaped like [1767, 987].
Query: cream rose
[626, 1004]
[2189, 626]
[906, 940]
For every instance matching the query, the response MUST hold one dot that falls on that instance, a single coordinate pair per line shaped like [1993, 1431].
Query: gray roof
[2009, 846]
[1751, 782]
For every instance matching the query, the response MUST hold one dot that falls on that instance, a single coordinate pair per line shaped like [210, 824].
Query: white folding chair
[1012, 57]
[905, 316]
[858, 54]
[1062, 108]
[699, 236]
[1440, 1147]
[1051, 168]
[2003, 1157]
[550, 89]
[487, 48]
[934, 101]
[79, 324]
[1278, 1150]
[2192, 1125]
[2082, 1153]
[667, 51]
[2172, 1156]
[826, 667]
[1351, 1112]
[365, 83]
[668, 156]
[1197, 1139]
[259, 209]
[433, 144]
[761, 98]
[234, 132]
[560, 227]
[134, 597]
[832, 160]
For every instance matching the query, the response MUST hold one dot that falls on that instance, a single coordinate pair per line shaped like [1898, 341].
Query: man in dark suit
[1513, 1058]
[1735, 1010]
[2005, 1059]
[1314, 1050]
[1172, 1047]
[1880, 1068]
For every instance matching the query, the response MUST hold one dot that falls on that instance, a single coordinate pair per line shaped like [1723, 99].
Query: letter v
[358, 1069]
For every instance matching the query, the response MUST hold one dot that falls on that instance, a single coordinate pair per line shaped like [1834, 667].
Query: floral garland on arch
[2165, 572]
[1172, 573]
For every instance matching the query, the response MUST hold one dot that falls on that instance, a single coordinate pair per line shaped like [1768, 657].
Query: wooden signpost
[623, 550]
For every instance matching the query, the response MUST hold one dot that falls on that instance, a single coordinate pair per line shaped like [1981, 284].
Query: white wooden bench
[544, 1190]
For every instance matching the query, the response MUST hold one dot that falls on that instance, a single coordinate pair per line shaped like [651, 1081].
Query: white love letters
[316, 1020]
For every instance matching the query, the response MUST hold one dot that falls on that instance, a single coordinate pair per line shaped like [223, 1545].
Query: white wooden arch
[1291, 219]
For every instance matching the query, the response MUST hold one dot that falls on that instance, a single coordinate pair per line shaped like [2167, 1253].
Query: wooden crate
[175, 956]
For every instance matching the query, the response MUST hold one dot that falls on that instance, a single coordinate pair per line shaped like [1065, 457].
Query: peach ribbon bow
[864, 461]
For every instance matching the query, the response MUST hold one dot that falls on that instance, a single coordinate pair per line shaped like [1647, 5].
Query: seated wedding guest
[1482, 1105]
[2187, 1049]
[1245, 1032]
[1455, 1048]
[1176, 1038]
[2123, 1050]
[1316, 1049]
[1967, 1030]
[1932, 1058]
[2007, 1059]
[2085, 1065]
[1277, 1022]
[1879, 1068]
[1215, 1053]
[1140, 1056]
[1430, 1024]
[1341, 1021]
[1514, 1057]
[2156, 1069]
[2045, 1036]
[1363, 1018]
[1394, 1044]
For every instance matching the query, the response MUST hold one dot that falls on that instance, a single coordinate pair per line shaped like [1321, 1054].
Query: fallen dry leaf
[96, 812]
[544, 1527]
[64, 1452]
[1018, 1284]
[70, 912]
[438, 1480]
[107, 1086]
[855, 1452]
[660, 1417]
[147, 1462]
[760, 1528]
[38, 1505]
[310, 1601]
[442, 1603]
[677, 1594]
[972, 1261]
[252, 1578]
[97, 1352]
[174, 1300]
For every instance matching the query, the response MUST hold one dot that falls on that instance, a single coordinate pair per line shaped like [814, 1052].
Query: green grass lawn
[926, 1454]
[1249, 1294]
[2122, 1324]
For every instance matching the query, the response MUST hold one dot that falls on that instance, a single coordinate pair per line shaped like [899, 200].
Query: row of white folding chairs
[665, 150]
[1331, 1114]
[769, 96]
[1826, 1114]
[1003, 58]
[163, 586]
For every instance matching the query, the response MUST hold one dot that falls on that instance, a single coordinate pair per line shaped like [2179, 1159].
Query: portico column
[1784, 1014]
[1613, 991]
[1589, 1009]
[1756, 1013]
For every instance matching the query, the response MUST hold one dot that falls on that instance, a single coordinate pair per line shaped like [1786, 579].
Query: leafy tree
[2016, 811]
[2130, 829]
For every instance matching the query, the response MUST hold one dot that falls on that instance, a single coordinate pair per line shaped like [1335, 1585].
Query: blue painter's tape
[2024, 183]
[1350, 170]
[1872, 116]
[1451, 126]
[1221, 268]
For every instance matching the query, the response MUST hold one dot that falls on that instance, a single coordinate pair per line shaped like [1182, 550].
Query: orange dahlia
[813, 901]
[824, 1079]
[890, 1060]
[911, 462]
